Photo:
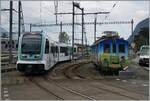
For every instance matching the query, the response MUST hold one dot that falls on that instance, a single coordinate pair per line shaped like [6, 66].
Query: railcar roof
[65, 44]
[106, 38]
[34, 32]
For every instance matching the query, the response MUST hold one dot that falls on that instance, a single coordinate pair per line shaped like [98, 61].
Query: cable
[40, 12]
[56, 8]
[114, 5]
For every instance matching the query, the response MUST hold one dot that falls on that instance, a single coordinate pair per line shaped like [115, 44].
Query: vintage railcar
[110, 52]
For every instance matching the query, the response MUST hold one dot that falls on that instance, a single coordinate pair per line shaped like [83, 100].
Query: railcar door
[52, 55]
[123, 52]
[47, 55]
[55, 53]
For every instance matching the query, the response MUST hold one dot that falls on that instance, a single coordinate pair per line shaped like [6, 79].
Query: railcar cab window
[121, 48]
[106, 48]
[31, 44]
[47, 46]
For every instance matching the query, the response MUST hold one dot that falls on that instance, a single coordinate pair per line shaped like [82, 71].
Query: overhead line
[86, 23]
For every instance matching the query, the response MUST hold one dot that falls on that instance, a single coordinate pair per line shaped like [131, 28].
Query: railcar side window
[6, 46]
[75, 50]
[3, 42]
[64, 50]
[54, 49]
[47, 46]
[106, 48]
[121, 48]
[16, 45]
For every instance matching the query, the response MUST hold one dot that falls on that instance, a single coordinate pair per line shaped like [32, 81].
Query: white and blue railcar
[38, 52]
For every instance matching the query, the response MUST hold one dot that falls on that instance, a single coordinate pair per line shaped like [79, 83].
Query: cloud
[123, 11]
[141, 13]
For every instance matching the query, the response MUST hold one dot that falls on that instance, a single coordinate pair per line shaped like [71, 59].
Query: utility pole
[82, 29]
[95, 21]
[56, 8]
[0, 12]
[10, 31]
[73, 13]
[19, 19]
[73, 31]
[61, 27]
[30, 27]
[132, 29]
[0, 32]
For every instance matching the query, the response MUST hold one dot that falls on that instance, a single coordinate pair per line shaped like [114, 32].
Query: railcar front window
[121, 48]
[31, 44]
[114, 48]
[106, 48]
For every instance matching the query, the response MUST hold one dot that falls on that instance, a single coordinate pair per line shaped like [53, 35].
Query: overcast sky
[43, 12]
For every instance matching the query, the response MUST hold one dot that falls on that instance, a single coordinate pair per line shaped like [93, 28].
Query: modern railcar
[37, 52]
[110, 52]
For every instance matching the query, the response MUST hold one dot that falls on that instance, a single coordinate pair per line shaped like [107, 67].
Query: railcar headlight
[24, 56]
[37, 56]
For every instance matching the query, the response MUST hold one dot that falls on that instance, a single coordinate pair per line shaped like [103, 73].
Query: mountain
[2, 30]
[5, 34]
[142, 24]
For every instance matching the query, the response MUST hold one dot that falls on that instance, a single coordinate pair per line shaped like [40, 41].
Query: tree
[142, 38]
[63, 37]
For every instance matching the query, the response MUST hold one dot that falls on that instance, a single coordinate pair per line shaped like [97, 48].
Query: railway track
[31, 79]
[52, 87]
[60, 92]
[68, 89]
[120, 86]
[111, 89]
[5, 67]
[68, 70]
[115, 92]
[71, 71]
[65, 91]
